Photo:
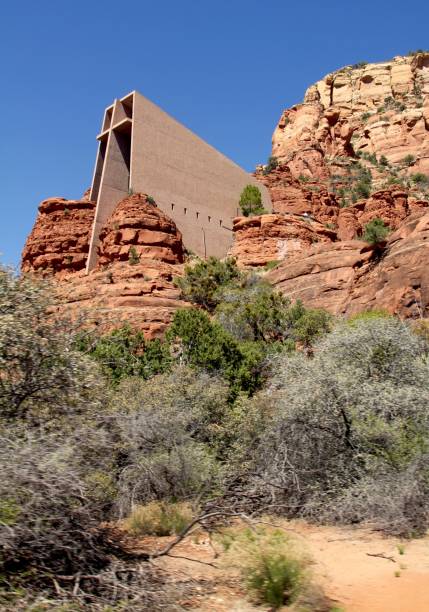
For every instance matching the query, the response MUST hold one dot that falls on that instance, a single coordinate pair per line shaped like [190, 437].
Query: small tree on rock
[375, 231]
[251, 201]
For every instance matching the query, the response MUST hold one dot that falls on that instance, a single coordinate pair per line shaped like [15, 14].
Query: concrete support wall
[195, 185]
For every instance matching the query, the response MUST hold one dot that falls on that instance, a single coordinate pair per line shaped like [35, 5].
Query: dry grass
[159, 518]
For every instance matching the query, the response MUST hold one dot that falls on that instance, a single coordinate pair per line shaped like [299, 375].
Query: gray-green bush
[351, 428]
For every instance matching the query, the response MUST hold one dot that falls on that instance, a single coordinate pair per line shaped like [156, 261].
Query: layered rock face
[264, 238]
[391, 205]
[142, 295]
[351, 276]
[289, 195]
[356, 149]
[140, 230]
[380, 109]
[59, 241]
[140, 252]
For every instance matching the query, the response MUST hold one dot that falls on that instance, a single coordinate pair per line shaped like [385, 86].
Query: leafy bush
[270, 567]
[251, 201]
[202, 283]
[375, 231]
[409, 160]
[159, 519]
[167, 433]
[124, 352]
[256, 312]
[351, 428]
[202, 343]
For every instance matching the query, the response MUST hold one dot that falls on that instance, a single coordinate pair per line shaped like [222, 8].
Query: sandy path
[363, 583]
[355, 580]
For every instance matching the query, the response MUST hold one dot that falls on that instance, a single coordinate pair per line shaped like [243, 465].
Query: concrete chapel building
[143, 149]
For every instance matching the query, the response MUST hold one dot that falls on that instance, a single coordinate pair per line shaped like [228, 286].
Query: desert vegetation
[251, 201]
[252, 405]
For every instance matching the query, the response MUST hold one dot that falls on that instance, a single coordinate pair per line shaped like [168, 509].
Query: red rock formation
[391, 205]
[289, 195]
[350, 276]
[380, 108]
[140, 228]
[127, 287]
[264, 238]
[59, 241]
[141, 294]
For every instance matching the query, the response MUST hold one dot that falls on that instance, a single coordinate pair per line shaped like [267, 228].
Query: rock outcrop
[59, 241]
[290, 195]
[380, 109]
[351, 276]
[264, 238]
[139, 254]
[141, 294]
[137, 229]
[392, 205]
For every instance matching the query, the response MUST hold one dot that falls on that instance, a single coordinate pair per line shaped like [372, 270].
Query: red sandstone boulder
[59, 241]
[139, 228]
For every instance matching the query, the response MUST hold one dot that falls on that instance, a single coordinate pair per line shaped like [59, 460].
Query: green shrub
[272, 571]
[409, 160]
[419, 179]
[133, 256]
[159, 519]
[202, 283]
[303, 179]
[168, 431]
[150, 200]
[383, 161]
[271, 164]
[42, 376]
[50, 521]
[251, 201]
[271, 265]
[124, 352]
[375, 231]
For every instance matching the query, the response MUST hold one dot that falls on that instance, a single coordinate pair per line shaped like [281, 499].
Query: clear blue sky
[224, 68]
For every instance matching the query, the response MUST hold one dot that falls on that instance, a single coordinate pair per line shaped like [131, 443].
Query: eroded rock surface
[380, 108]
[264, 238]
[142, 295]
[59, 240]
[351, 276]
[137, 229]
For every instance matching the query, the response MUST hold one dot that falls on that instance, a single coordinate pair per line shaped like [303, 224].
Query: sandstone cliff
[380, 109]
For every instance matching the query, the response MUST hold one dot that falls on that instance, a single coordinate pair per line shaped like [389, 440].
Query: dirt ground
[359, 570]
